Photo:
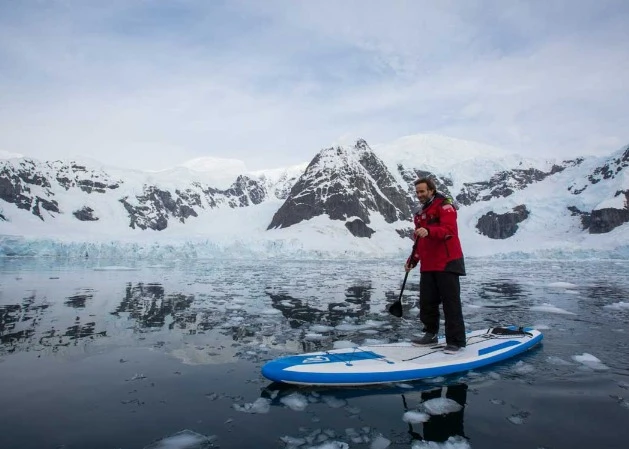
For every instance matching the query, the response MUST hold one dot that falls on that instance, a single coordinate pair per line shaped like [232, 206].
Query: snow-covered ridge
[349, 201]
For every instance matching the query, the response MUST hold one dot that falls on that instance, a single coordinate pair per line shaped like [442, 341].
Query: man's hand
[421, 233]
[407, 267]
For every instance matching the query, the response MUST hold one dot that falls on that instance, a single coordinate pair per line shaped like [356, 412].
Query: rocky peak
[346, 184]
[505, 183]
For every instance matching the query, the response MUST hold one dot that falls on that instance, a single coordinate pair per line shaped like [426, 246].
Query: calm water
[97, 357]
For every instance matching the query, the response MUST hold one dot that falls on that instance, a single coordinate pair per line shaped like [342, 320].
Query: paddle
[395, 309]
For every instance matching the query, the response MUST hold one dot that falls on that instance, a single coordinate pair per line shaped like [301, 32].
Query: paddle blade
[395, 309]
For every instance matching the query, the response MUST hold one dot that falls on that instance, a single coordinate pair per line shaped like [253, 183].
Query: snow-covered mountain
[348, 201]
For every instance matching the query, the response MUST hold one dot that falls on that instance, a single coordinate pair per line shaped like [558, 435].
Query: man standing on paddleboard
[438, 250]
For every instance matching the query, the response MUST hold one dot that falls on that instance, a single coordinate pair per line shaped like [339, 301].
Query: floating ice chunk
[571, 292]
[115, 268]
[562, 285]
[292, 441]
[380, 442]
[321, 328]
[546, 307]
[348, 327]
[590, 361]
[618, 306]
[342, 344]
[186, 439]
[441, 406]
[332, 445]
[415, 417]
[523, 368]
[456, 442]
[233, 307]
[314, 337]
[518, 418]
[369, 332]
[554, 360]
[270, 312]
[295, 401]
[261, 405]
[333, 402]
[541, 327]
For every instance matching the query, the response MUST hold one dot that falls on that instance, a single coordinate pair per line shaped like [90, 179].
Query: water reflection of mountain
[501, 293]
[20, 323]
[149, 306]
[299, 311]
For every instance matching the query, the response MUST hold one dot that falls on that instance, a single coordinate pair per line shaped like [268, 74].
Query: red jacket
[441, 249]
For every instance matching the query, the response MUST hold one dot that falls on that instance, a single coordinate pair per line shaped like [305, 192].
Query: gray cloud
[150, 85]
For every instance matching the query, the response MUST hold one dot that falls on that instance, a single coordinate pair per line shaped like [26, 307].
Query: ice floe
[590, 361]
[261, 405]
[186, 439]
[441, 406]
[546, 307]
[414, 417]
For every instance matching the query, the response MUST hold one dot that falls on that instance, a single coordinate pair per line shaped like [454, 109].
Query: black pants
[441, 287]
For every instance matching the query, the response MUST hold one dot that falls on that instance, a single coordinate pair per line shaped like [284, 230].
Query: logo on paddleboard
[316, 359]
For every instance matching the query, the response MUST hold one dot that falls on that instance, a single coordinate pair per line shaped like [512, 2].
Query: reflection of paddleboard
[397, 362]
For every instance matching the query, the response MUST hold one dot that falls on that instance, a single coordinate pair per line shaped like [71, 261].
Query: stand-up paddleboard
[399, 362]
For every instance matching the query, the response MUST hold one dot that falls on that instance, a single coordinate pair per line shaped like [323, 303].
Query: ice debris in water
[321, 328]
[333, 402]
[332, 445]
[261, 405]
[618, 306]
[456, 442]
[115, 268]
[546, 307]
[561, 285]
[441, 406]
[295, 401]
[186, 439]
[523, 368]
[554, 360]
[314, 337]
[380, 442]
[270, 312]
[590, 361]
[415, 417]
[518, 418]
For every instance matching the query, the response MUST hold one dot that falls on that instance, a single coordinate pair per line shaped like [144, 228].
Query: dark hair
[429, 183]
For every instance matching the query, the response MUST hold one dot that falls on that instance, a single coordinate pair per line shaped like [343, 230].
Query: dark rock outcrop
[609, 170]
[358, 228]
[505, 183]
[502, 226]
[85, 214]
[601, 221]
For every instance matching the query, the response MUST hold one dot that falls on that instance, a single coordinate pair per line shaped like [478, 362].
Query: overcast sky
[150, 84]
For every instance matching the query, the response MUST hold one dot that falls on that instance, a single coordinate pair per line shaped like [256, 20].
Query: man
[438, 249]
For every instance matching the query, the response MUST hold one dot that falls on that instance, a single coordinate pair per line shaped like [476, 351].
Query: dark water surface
[98, 357]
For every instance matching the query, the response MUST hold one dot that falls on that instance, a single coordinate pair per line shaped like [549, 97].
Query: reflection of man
[441, 427]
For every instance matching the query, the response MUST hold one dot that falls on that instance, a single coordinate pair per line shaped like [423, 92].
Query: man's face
[423, 193]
